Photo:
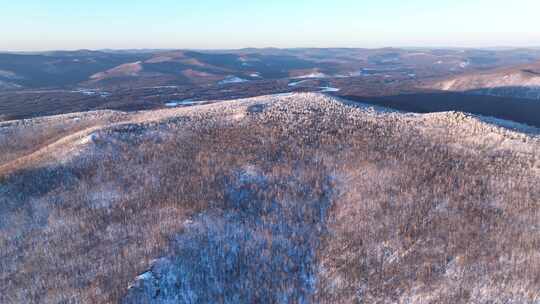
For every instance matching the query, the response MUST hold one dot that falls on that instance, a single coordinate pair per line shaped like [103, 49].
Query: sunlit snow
[186, 102]
[232, 79]
[329, 89]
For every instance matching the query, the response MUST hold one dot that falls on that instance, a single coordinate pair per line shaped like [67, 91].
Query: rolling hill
[517, 82]
[113, 69]
[284, 198]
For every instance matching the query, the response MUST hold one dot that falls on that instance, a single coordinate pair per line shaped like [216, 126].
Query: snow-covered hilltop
[301, 198]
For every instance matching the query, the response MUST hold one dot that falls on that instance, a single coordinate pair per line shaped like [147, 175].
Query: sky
[34, 25]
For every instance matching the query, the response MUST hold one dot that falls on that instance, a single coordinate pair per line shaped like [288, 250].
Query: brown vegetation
[355, 206]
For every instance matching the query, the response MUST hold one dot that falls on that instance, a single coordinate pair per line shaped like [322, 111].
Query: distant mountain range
[503, 83]
[143, 68]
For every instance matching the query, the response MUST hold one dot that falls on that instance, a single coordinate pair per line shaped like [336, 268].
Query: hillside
[516, 82]
[294, 198]
[112, 70]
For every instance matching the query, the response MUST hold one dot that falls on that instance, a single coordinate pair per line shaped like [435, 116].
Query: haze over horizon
[166, 24]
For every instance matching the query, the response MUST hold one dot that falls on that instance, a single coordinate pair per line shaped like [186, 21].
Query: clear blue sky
[95, 24]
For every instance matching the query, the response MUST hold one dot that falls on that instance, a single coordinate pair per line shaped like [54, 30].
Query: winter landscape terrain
[287, 198]
[272, 152]
[503, 83]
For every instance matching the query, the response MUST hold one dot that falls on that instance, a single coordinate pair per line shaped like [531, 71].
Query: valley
[52, 83]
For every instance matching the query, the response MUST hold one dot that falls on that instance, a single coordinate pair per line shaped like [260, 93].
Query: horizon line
[269, 48]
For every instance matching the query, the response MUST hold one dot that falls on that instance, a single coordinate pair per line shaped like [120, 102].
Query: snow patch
[232, 79]
[145, 276]
[293, 84]
[313, 75]
[89, 92]
[329, 89]
[287, 94]
[185, 102]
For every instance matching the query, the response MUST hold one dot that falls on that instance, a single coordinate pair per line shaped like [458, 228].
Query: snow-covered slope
[301, 198]
[522, 82]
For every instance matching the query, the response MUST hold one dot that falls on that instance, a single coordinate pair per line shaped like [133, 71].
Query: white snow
[185, 102]
[145, 276]
[232, 79]
[366, 72]
[88, 92]
[329, 89]
[293, 84]
[283, 94]
[313, 75]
